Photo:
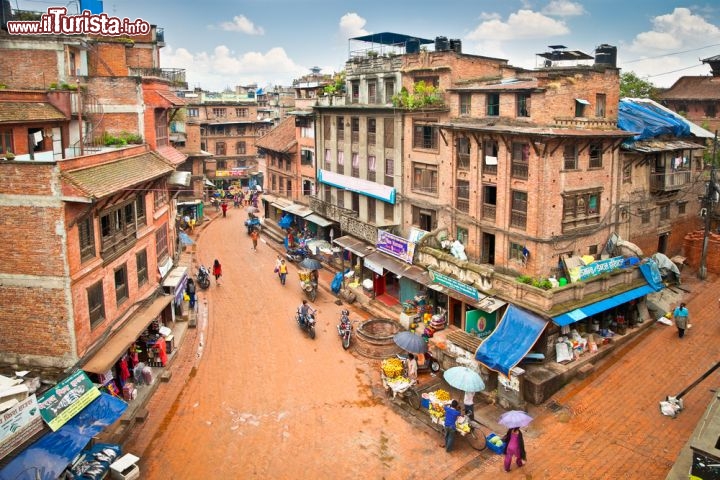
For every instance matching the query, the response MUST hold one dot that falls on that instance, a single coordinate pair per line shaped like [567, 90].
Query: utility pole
[710, 192]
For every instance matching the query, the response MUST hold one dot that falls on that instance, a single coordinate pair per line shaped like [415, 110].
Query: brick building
[229, 128]
[88, 190]
[697, 98]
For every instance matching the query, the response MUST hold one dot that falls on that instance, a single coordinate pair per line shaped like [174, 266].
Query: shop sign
[370, 265]
[67, 399]
[235, 172]
[18, 424]
[597, 268]
[416, 234]
[396, 246]
[454, 284]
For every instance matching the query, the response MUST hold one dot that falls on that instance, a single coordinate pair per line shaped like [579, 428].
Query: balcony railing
[489, 169]
[488, 211]
[665, 182]
[371, 175]
[176, 76]
[462, 204]
[519, 170]
[463, 161]
[518, 220]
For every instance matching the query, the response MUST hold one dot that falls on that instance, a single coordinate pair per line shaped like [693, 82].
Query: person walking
[514, 447]
[254, 236]
[682, 319]
[190, 290]
[451, 415]
[278, 261]
[217, 271]
[224, 207]
[282, 272]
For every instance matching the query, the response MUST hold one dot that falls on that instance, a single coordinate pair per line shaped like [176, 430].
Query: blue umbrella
[185, 239]
[464, 379]
[410, 342]
[515, 419]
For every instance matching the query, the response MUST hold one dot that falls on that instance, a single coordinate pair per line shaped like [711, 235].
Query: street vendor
[451, 415]
[412, 367]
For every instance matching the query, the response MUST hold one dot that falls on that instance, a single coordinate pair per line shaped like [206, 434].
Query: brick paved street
[263, 401]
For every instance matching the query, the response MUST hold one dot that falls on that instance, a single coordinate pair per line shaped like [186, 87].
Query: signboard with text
[18, 424]
[396, 246]
[594, 269]
[454, 284]
[67, 399]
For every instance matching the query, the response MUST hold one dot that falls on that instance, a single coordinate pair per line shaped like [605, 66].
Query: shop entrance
[662, 242]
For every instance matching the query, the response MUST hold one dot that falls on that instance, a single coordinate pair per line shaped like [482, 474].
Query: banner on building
[18, 424]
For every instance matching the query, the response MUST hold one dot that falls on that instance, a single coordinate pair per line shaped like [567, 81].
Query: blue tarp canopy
[601, 306]
[511, 341]
[648, 121]
[51, 454]
[390, 38]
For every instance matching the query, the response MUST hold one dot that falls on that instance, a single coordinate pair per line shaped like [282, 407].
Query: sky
[224, 43]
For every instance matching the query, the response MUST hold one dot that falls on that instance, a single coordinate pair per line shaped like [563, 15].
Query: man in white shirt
[469, 401]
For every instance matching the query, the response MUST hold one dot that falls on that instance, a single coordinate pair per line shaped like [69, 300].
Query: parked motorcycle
[298, 254]
[203, 277]
[344, 329]
[307, 323]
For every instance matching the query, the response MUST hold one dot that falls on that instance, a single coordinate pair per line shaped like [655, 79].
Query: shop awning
[601, 306]
[486, 304]
[297, 209]
[53, 452]
[114, 348]
[400, 268]
[511, 341]
[318, 220]
[266, 197]
[352, 244]
[208, 183]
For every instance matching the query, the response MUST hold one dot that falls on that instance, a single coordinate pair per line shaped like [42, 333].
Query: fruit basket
[495, 445]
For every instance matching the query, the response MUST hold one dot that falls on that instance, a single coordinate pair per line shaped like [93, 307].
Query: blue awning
[601, 306]
[52, 453]
[511, 341]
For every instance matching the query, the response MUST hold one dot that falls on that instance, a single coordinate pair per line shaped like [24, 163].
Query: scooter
[298, 254]
[344, 329]
[203, 277]
[308, 324]
[252, 223]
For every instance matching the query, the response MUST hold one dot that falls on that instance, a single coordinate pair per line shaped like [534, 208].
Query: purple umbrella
[515, 419]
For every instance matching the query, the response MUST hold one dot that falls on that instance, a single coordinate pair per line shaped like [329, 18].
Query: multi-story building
[94, 211]
[229, 127]
[697, 98]
[663, 177]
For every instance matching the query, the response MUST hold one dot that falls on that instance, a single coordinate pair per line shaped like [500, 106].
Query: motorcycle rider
[305, 310]
[344, 321]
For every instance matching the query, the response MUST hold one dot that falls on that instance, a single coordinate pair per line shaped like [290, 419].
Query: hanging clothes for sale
[160, 350]
[124, 369]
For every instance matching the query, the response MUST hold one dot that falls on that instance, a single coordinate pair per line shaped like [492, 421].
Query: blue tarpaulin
[511, 341]
[51, 454]
[597, 307]
[648, 121]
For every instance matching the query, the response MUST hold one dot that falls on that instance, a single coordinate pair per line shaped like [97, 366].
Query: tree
[632, 86]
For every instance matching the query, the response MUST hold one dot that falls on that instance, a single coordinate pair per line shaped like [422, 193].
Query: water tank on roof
[412, 46]
[5, 14]
[442, 44]
[606, 55]
[456, 45]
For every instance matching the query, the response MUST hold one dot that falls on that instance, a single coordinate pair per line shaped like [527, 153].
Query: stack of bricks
[692, 247]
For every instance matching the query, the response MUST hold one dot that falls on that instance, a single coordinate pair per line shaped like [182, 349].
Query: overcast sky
[223, 43]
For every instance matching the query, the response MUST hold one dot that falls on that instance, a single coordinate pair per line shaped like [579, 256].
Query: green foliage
[541, 282]
[424, 95]
[123, 139]
[338, 85]
[53, 85]
[632, 86]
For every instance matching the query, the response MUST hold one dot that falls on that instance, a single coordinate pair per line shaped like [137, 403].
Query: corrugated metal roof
[662, 146]
[11, 112]
[102, 180]
[695, 129]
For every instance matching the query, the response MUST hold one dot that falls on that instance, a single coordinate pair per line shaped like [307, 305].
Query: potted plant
[372, 54]
[9, 155]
